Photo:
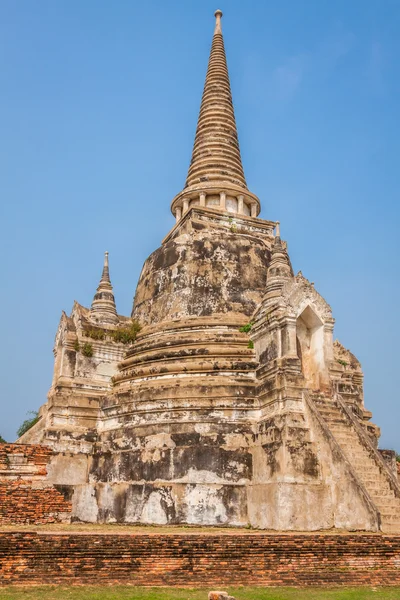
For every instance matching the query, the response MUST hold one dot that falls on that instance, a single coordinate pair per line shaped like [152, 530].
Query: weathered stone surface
[233, 405]
[203, 273]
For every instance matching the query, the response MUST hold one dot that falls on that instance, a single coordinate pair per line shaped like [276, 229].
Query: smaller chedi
[222, 399]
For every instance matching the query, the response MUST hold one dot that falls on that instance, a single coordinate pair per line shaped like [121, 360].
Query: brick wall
[199, 560]
[25, 498]
[24, 460]
[21, 502]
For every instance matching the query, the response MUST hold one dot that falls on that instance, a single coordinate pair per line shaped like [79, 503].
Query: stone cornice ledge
[222, 218]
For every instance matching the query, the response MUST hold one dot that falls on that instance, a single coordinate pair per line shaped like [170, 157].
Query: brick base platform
[199, 560]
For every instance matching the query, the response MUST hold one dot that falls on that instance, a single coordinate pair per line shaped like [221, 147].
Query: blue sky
[98, 109]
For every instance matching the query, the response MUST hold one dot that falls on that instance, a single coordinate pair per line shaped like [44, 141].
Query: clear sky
[98, 109]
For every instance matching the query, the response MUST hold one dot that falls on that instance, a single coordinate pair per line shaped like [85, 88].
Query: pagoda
[223, 399]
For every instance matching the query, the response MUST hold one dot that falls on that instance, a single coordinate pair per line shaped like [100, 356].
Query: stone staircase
[368, 465]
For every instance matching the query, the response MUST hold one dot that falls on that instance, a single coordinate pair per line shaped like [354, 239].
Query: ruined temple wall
[24, 461]
[193, 473]
[269, 476]
[26, 494]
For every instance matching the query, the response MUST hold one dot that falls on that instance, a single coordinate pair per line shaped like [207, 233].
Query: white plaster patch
[202, 428]
[205, 506]
[155, 445]
[68, 469]
[126, 442]
[84, 504]
[233, 441]
[202, 476]
[153, 511]
[107, 369]
[237, 466]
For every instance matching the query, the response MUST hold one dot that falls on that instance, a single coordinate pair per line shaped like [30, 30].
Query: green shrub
[126, 335]
[28, 423]
[87, 350]
[246, 328]
[397, 457]
[250, 344]
[2, 440]
[95, 334]
[342, 362]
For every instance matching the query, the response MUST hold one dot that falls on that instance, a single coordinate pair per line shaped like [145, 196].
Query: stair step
[346, 442]
[365, 472]
[341, 429]
[390, 529]
[344, 435]
[392, 519]
[379, 492]
[389, 504]
[358, 457]
[389, 516]
[373, 484]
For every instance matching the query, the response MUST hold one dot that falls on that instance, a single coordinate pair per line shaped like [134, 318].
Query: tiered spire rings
[216, 177]
[103, 309]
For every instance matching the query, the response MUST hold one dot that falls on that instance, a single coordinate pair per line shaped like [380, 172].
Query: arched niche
[310, 347]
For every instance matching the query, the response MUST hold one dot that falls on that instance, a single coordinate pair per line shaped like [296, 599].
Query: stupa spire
[279, 270]
[103, 309]
[216, 153]
[216, 165]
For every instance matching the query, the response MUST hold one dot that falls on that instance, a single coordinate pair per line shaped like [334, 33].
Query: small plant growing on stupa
[342, 362]
[2, 440]
[126, 335]
[246, 328]
[398, 457]
[28, 423]
[76, 345]
[87, 350]
[95, 334]
[250, 344]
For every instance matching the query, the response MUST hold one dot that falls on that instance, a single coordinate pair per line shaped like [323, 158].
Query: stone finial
[103, 309]
[218, 16]
[105, 275]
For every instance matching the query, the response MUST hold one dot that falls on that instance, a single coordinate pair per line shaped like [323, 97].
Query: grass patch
[244, 593]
